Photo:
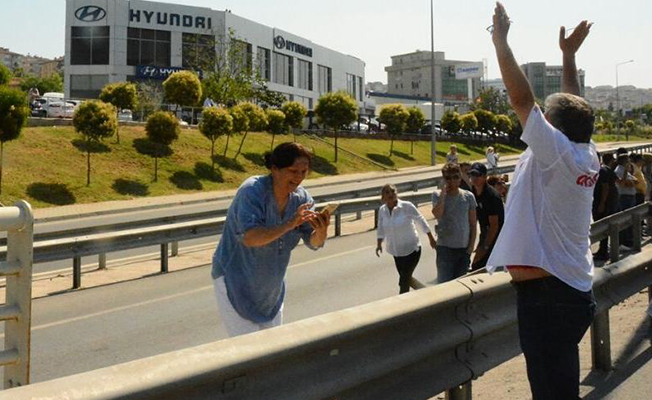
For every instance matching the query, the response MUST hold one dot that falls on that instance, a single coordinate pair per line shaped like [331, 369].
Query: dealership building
[133, 40]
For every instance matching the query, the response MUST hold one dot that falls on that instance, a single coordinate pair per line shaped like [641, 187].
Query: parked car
[427, 129]
[60, 109]
[125, 115]
[39, 108]
[354, 126]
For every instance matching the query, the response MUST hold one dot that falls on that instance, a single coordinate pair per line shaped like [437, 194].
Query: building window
[360, 90]
[89, 45]
[325, 78]
[350, 85]
[264, 68]
[87, 86]
[283, 69]
[148, 47]
[243, 53]
[304, 74]
[197, 51]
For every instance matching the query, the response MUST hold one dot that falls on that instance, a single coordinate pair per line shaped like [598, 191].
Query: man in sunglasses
[454, 210]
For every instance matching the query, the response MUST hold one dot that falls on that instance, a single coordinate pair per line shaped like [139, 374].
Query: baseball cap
[478, 169]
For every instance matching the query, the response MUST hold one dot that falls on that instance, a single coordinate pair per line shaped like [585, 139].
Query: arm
[494, 223]
[261, 236]
[473, 224]
[440, 205]
[518, 87]
[319, 223]
[379, 247]
[569, 79]
[602, 204]
[423, 224]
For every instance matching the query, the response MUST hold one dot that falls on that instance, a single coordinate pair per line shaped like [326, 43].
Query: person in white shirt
[397, 221]
[492, 159]
[452, 157]
[545, 239]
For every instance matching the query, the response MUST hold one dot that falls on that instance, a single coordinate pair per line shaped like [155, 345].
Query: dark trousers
[451, 263]
[626, 201]
[405, 266]
[603, 251]
[552, 319]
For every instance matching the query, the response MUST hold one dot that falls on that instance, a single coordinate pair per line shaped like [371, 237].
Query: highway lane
[93, 328]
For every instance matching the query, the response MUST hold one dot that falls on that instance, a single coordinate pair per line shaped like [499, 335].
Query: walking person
[267, 218]
[626, 194]
[492, 159]
[490, 212]
[452, 156]
[397, 226]
[605, 200]
[455, 211]
[545, 241]
[641, 183]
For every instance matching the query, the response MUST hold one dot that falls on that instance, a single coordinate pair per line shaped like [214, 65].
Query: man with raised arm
[545, 239]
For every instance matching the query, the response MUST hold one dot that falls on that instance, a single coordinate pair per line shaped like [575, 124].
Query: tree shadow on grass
[51, 193]
[381, 159]
[152, 149]
[94, 147]
[323, 166]
[204, 171]
[256, 158]
[186, 181]
[130, 188]
[228, 163]
[404, 156]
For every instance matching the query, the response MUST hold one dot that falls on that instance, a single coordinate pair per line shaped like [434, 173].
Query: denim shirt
[254, 276]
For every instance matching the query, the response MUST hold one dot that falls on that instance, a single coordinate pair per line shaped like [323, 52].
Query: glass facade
[87, 86]
[264, 63]
[148, 47]
[89, 45]
[198, 51]
[350, 85]
[304, 74]
[451, 88]
[283, 69]
[325, 79]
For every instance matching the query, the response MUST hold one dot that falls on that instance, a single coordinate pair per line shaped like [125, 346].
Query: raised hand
[501, 24]
[302, 215]
[572, 43]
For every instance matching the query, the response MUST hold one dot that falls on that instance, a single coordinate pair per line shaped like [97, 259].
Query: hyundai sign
[154, 72]
[90, 14]
[468, 71]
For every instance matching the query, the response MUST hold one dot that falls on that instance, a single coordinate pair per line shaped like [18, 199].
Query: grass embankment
[47, 165]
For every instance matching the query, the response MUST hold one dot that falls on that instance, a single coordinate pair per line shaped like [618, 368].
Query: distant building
[51, 67]
[377, 87]
[546, 80]
[497, 84]
[410, 75]
[31, 65]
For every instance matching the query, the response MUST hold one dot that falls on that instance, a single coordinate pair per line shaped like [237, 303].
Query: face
[478, 180]
[389, 197]
[289, 178]
[465, 169]
[452, 180]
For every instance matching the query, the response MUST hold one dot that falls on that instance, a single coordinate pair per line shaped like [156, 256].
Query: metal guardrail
[16, 313]
[412, 346]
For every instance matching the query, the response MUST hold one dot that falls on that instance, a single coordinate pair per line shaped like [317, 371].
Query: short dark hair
[622, 159]
[621, 150]
[635, 157]
[450, 168]
[285, 154]
[607, 158]
[572, 115]
[494, 179]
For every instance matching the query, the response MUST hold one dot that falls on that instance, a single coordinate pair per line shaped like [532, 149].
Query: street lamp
[618, 96]
[433, 141]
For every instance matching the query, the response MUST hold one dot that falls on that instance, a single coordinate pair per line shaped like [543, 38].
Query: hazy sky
[374, 30]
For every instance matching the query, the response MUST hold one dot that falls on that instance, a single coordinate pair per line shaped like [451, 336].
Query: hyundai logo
[90, 13]
[279, 42]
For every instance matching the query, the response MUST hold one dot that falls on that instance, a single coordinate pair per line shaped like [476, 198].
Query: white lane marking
[173, 296]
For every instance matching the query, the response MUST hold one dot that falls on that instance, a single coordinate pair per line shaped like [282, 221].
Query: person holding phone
[397, 222]
[455, 211]
[267, 218]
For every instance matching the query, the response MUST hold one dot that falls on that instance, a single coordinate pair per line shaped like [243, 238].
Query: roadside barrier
[18, 221]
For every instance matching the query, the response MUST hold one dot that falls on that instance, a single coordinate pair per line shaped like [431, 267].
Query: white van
[53, 95]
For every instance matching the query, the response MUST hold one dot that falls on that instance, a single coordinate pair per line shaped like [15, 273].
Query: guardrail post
[636, 232]
[174, 250]
[614, 243]
[358, 214]
[601, 342]
[462, 392]
[338, 224]
[17, 310]
[164, 257]
[101, 260]
[76, 272]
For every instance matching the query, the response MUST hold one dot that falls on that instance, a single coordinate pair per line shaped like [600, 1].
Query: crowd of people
[539, 232]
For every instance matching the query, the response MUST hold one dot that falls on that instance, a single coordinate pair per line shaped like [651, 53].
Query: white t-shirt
[398, 228]
[492, 160]
[548, 211]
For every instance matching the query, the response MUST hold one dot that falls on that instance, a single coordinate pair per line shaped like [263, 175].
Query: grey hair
[572, 115]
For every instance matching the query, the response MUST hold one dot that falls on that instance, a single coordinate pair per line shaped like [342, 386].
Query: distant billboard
[470, 70]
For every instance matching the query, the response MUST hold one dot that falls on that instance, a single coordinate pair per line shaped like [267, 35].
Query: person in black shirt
[490, 213]
[465, 183]
[605, 199]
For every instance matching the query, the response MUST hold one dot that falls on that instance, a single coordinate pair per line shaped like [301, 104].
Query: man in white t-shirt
[544, 241]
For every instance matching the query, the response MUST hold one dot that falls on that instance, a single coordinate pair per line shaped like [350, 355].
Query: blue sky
[374, 30]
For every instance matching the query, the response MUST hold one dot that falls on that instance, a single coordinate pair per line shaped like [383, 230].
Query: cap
[478, 169]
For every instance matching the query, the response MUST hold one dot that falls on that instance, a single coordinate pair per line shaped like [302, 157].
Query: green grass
[46, 167]
[614, 138]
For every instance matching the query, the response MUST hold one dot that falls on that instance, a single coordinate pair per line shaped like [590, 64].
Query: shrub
[95, 120]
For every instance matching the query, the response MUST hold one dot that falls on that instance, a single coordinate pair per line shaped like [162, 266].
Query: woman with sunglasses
[397, 221]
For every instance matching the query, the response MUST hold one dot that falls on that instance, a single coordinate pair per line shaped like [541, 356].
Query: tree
[52, 83]
[486, 120]
[491, 99]
[336, 109]
[149, 98]
[216, 121]
[162, 129]
[123, 96]
[630, 127]
[395, 117]
[13, 116]
[267, 98]
[295, 113]
[451, 122]
[257, 121]
[183, 88]
[504, 124]
[240, 123]
[95, 120]
[275, 123]
[468, 123]
[5, 75]
[416, 120]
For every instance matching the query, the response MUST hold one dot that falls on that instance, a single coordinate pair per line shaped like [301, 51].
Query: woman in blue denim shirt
[265, 221]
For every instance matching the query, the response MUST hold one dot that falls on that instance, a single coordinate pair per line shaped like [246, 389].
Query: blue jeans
[552, 319]
[451, 263]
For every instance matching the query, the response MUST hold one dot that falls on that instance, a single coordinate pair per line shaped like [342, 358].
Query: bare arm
[439, 207]
[518, 87]
[570, 82]
[258, 237]
[473, 224]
